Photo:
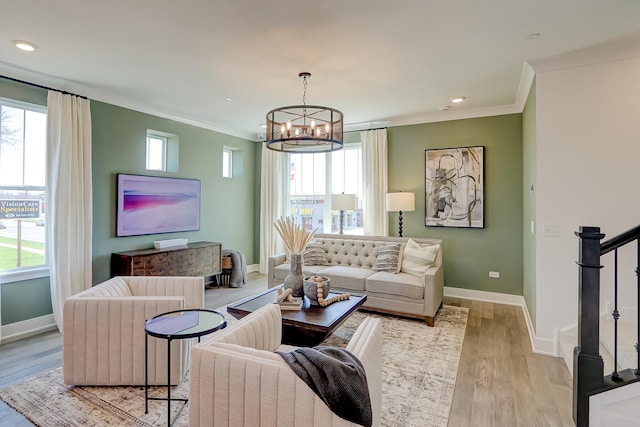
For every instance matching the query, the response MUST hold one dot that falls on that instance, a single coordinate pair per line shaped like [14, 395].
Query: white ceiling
[380, 62]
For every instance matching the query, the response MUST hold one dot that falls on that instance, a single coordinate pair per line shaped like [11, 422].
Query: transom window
[156, 152]
[227, 163]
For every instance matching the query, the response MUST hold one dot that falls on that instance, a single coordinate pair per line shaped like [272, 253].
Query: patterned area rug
[420, 365]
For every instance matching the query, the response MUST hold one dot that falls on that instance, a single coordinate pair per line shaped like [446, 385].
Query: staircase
[600, 343]
[627, 333]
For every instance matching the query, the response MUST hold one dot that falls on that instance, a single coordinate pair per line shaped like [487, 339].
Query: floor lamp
[398, 202]
[343, 202]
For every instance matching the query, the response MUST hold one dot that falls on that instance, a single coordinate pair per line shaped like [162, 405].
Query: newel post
[588, 366]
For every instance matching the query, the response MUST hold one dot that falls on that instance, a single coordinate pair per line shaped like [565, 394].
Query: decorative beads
[325, 302]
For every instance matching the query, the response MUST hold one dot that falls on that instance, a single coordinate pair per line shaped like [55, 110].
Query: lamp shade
[343, 202]
[401, 202]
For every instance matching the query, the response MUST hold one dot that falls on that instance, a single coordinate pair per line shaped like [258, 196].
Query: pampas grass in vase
[295, 239]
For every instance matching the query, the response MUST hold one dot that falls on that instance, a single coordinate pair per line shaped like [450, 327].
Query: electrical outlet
[494, 274]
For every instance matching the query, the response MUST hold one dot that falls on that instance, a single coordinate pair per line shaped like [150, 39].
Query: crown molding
[109, 98]
[445, 116]
[619, 49]
[526, 80]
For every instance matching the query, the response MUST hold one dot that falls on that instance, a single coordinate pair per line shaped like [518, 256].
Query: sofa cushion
[281, 271]
[343, 277]
[314, 255]
[401, 284]
[417, 259]
[352, 252]
[388, 258]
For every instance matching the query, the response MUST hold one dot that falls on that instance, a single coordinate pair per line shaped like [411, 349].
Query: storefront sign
[19, 209]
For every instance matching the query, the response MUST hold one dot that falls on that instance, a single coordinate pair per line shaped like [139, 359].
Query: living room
[571, 125]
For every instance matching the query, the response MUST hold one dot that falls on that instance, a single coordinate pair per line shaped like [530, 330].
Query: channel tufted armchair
[236, 379]
[103, 330]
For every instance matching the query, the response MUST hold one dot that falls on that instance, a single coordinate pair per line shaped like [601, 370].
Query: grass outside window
[9, 253]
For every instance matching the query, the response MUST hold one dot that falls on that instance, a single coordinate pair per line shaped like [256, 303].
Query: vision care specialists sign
[19, 209]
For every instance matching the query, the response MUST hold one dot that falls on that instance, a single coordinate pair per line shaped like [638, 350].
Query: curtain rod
[43, 87]
[364, 130]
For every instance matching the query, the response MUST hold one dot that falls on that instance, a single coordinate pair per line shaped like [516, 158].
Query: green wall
[529, 138]
[469, 253]
[25, 300]
[228, 204]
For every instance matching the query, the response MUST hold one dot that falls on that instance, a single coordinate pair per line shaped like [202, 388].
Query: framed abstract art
[454, 187]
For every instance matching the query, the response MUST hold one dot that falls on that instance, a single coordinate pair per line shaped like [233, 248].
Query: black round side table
[177, 325]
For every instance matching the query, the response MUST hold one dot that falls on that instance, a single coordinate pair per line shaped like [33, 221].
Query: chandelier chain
[304, 95]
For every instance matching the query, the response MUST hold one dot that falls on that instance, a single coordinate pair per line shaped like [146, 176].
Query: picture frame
[156, 205]
[454, 187]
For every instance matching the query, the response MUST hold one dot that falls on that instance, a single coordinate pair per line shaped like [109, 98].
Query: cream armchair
[103, 330]
[236, 379]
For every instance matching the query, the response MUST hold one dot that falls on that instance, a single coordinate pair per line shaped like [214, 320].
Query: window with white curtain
[313, 177]
[23, 151]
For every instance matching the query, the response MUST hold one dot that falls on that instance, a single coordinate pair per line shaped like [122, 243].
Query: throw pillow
[388, 258]
[314, 255]
[417, 259]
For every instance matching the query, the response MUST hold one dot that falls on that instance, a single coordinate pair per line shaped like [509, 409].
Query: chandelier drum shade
[304, 128]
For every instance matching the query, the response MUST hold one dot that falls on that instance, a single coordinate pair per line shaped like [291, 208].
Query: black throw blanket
[337, 377]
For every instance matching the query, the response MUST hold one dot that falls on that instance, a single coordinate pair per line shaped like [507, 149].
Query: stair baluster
[616, 316]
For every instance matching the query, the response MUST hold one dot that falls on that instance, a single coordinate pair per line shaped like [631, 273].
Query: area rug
[419, 371]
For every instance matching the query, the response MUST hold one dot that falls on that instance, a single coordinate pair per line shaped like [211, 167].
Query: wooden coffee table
[306, 327]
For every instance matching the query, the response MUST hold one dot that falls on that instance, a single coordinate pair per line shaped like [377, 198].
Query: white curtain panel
[274, 188]
[374, 168]
[69, 197]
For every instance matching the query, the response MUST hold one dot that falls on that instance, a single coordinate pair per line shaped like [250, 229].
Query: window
[313, 177]
[227, 163]
[23, 129]
[156, 153]
[232, 162]
[162, 151]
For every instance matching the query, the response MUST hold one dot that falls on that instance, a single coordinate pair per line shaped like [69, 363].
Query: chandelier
[304, 128]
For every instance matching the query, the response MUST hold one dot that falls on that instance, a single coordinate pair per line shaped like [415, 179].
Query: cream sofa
[103, 330]
[352, 261]
[236, 379]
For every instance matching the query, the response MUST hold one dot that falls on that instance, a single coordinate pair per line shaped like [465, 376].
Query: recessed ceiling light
[444, 108]
[457, 99]
[263, 126]
[228, 98]
[533, 36]
[25, 45]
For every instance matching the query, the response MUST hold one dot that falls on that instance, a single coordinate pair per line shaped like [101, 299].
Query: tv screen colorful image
[154, 205]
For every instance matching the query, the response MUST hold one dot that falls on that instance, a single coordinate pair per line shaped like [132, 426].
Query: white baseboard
[253, 267]
[27, 328]
[494, 297]
[539, 345]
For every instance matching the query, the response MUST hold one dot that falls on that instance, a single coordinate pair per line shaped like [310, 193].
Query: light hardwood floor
[500, 382]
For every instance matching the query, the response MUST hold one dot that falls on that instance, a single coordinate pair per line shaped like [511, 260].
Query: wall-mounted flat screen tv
[153, 205]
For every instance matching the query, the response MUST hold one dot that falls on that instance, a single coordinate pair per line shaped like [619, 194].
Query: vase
[294, 279]
[311, 288]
